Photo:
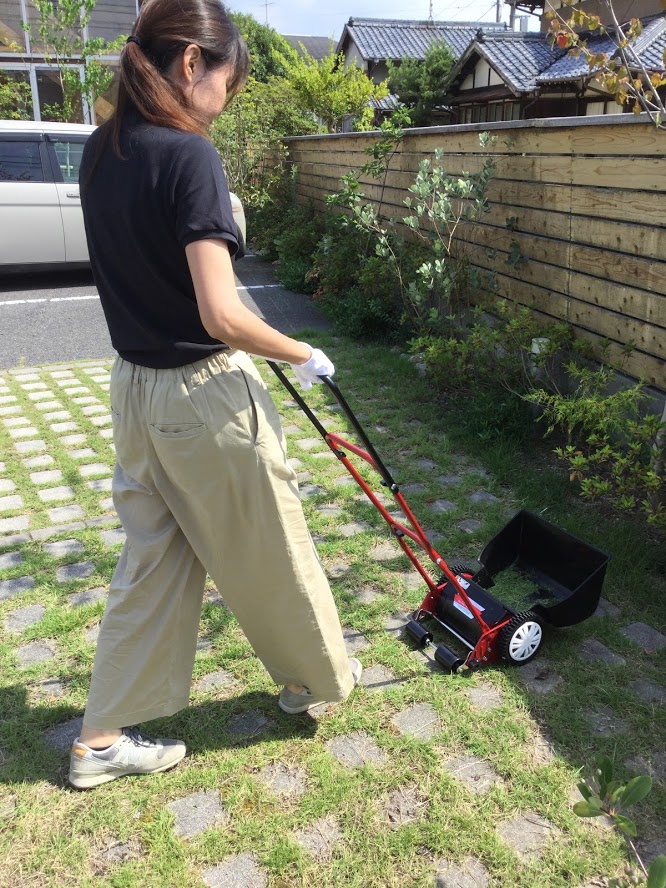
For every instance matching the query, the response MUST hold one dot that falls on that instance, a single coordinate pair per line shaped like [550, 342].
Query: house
[22, 57]
[371, 42]
[520, 75]
[316, 47]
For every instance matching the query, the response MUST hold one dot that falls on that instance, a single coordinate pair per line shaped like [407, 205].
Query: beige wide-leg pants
[202, 485]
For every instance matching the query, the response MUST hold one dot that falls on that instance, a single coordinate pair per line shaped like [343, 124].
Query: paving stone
[63, 547]
[354, 528]
[92, 634]
[471, 873]
[8, 541]
[197, 812]
[28, 377]
[38, 462]
[48, 405]
[54, 494]
[10, 588]
[248, 724]
[88, 596]
[449, 480]
[284, 780]
[385, 551]
[23, 432]
[82, 453]
[40, 396]
[470, 525]
[596, 652]
[6, 485]
[238, 871]
[320, 837]
[10, 559]
[426, 464]
[308, 443]
[72, 440]
[420, 721]
[10, 409]
[66, 513]
[475, 773]
[344, 481]
[101, 420]
[484, 696]
[11, 502]
[337, 569]
[45, 533]
[77, 390]
[442, 507]
[107, 504]
[411, 579]
[215, 681]
[16, 421]
[60, 427]
[74, 571]
[17, 522]
[526, 834]
[433, 536]
[413, 487]
[482, 496]
[395, 624]
[61, 374]
[92, 409]
[114, 537]
[304, 477]
[56, 416]
[24, 617]
[29, 446]
[49, 689]
[378, 678]
[62, 736]
[648, 638]
[292, 429]
[649, 691]
[324, 454]
[355, 750]
[404, 805]
[34, 386]
[604, 722]
[106, 433]
[294, 462]
[88, 471]
[87, 399]
[606, 609]
[310, 490]
[49, 477]
[7, 399]
[329, 511]
[35, 652]
[539, 677]
[354, 641]
[653, 764]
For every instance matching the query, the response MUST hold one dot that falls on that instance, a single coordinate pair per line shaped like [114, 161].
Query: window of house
[12, 35]
[20, 162]
[483, 113]
[50, 95]
[475, 113]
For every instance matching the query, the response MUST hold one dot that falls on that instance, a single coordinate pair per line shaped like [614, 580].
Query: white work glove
[309, 373]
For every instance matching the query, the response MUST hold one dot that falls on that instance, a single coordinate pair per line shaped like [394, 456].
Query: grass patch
[53, 836]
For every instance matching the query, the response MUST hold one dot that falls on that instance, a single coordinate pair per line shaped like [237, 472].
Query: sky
[321, 19]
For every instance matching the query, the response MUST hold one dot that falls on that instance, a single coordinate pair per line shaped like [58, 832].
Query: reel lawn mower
[565, 573]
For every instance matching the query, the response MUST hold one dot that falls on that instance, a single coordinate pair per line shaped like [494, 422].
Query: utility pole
[498, 11]
[266, 4]
[430, 19]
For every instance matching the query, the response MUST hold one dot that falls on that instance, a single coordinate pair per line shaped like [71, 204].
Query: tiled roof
[518, 57]
[651, 44]
[398, 39]
[317, 47]
[568, 68]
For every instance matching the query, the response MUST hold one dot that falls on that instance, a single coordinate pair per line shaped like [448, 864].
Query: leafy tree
[59, 31]
[620, 72]
[268, 49]
[421, 84]
[249, 136]
[331, 92]
[15, 98]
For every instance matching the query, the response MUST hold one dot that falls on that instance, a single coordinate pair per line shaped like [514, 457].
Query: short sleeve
[201, 196]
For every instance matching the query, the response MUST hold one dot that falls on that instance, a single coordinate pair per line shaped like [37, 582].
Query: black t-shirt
[140, 213]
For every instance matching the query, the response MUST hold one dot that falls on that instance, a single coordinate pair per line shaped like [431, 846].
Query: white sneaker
[130, 754]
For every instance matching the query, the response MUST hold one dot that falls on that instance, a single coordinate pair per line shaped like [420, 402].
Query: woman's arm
[223, 314]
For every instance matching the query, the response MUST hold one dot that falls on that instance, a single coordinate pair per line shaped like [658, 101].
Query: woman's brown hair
[163, 29]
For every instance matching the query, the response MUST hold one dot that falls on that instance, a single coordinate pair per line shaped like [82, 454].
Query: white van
[41, 221]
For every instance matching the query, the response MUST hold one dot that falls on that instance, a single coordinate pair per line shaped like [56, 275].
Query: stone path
[59, 538]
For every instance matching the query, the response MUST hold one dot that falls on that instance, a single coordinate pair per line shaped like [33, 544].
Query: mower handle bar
[349, 413]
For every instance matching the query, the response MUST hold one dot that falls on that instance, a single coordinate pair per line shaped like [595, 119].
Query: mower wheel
[520, 639]
[461, 569]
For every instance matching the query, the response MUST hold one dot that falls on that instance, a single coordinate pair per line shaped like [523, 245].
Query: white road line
[81, 298]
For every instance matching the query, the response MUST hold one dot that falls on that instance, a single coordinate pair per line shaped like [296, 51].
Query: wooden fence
[586, 200]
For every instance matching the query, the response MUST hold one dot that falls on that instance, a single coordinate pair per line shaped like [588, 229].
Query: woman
[201, 484]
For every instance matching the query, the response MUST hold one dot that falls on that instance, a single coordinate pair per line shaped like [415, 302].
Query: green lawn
[490, 747]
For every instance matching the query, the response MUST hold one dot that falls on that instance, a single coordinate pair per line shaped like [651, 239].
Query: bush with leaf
[421, 84]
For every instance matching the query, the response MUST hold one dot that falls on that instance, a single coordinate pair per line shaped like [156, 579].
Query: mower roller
[566, 571]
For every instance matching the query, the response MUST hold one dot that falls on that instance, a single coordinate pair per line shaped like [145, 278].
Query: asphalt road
[53, 317]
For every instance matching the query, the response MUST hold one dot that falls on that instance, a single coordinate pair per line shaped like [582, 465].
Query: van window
[69, 158]
[20, 161]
